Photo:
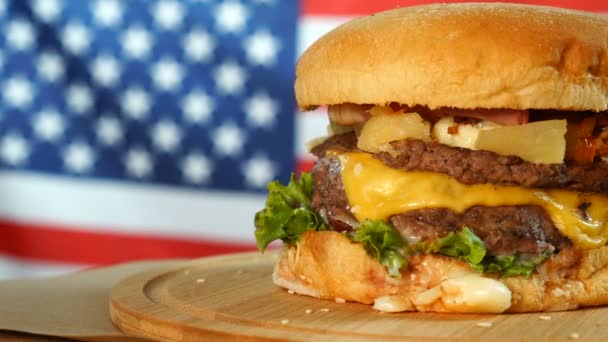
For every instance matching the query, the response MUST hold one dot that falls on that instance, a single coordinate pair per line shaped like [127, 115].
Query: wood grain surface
[233, 298]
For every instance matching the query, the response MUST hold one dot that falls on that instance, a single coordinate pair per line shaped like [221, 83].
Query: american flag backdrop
[141, 129]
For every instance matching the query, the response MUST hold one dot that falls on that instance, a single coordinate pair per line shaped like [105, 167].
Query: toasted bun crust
[464, 56]
[328, 265]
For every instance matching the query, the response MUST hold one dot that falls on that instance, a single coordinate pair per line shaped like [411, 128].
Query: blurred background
[145, 129]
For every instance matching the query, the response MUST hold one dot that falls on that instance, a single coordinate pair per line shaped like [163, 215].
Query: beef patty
[505, 230]
[480, 167]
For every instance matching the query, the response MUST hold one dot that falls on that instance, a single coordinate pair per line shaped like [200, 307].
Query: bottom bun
[329, 265]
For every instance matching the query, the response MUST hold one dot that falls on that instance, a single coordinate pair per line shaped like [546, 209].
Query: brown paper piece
[14, 336]
[74, 306]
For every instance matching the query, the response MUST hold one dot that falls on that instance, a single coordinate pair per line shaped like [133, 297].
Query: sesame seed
[284, 321]
[340, 300]
[544, 318]
[290, 291]
[484, 324]
[308, 311]
[201, 280]
[574, 336]
[324, 310]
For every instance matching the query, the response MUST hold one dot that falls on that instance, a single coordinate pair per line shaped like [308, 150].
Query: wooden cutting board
[233, 298]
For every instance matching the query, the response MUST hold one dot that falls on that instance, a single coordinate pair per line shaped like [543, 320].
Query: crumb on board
[484, 324]
[324, 310]
[574, 336]
[291, 291]
[308, 311]
[284, 321]
[201, 280]
[340, 300]
[544, 317]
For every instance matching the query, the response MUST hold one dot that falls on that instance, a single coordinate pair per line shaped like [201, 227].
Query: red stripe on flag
[57, 244]
[351, 8]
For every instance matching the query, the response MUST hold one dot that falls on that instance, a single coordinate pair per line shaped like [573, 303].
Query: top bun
[464, 56]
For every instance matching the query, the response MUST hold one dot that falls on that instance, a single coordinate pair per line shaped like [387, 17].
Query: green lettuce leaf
[464, 245]
[514, 265]
[383, 242]
[287, 213]
[467, 246]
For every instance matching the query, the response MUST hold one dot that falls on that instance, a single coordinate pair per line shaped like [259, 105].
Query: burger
[465, 168]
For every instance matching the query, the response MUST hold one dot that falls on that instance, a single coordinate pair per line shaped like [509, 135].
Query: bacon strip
[351, 114]
[505, 117]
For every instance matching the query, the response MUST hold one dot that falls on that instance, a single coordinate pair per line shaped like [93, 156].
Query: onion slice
[348, 114]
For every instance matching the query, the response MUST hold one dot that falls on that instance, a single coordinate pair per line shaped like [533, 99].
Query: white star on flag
[196, 168]
[78, 157]
[50, 66]
[76, 38]
[167, 74]
[20, 34]
[230, 78]
[138, 162]
[168, 14]
[228, 140]
[107, 12]
[197, 106]
[262, 48]
[136, 42]
[14, 149]
[198, 45]
[79, 98]
[18, 92]
[231, 16]
[135, 102]
[109, 130]
[106, 70]
[49, 125]
[261, 110]
[166, 136]
[258, 171]
[47, 10]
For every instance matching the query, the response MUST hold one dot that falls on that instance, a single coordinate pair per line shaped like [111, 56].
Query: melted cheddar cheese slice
[376, 191]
